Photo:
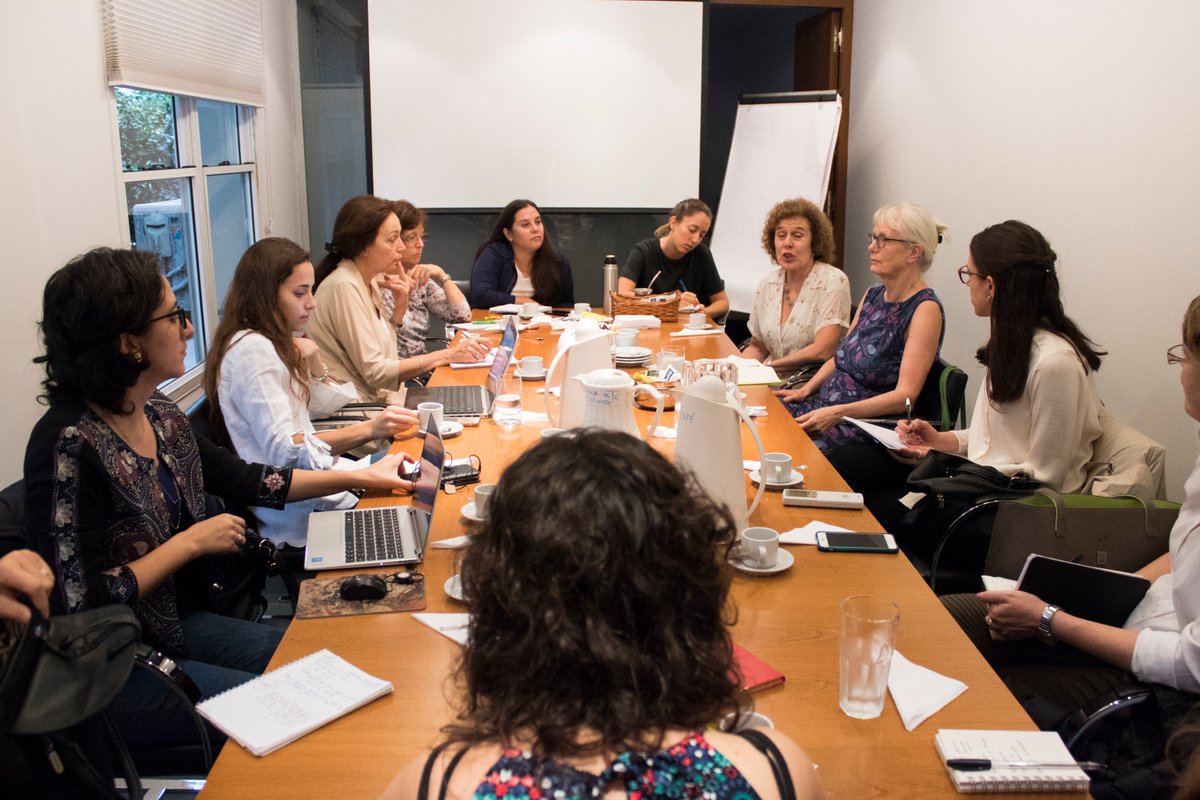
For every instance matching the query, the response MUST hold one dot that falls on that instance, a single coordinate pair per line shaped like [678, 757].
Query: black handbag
[64, 669]
[948, 480]
[230, 584]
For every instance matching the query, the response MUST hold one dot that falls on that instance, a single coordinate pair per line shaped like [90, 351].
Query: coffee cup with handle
[759, 547]
[776, 468]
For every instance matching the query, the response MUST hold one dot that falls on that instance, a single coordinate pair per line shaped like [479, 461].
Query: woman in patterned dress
[598, 650]
[894, 339]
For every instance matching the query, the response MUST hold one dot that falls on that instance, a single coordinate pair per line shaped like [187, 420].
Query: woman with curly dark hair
[801, 310]
[598, 640]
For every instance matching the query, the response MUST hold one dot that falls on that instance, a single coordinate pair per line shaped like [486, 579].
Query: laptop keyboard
[374, 535]
[461, 401]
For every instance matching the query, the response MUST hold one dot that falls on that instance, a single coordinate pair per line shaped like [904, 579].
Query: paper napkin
[807, 534]
[919, 693]
[452, 626]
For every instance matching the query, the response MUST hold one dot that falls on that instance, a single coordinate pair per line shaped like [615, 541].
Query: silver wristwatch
[1043, 631]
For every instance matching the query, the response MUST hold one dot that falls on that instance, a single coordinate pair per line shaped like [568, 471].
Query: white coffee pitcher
[708, 440]
[608, 401]
[582, 350]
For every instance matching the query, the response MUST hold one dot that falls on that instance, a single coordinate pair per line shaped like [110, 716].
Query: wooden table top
[788, 620]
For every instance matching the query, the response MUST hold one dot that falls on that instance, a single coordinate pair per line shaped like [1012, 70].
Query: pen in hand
[908, 410]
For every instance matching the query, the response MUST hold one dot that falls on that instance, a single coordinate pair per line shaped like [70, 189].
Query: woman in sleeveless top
[598, 650]
[893, 341]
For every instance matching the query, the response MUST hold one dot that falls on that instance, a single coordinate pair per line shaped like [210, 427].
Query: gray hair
[916, 224]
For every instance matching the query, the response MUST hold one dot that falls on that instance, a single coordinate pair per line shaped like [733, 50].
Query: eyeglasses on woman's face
[965, 274]
[880, 241]
[182, 316]
[1178, 354]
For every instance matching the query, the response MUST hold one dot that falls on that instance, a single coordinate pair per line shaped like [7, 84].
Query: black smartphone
[852, 542]
[460, 475]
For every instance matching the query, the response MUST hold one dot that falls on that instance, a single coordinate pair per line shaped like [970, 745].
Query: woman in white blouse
[264, 382]
[1159, 643]
[801, 310]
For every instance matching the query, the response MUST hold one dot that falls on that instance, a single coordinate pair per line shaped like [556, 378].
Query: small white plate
[453, 587]
[796, 479]
[784, 561]
[631, 353]
[525, 377]
[468, 511]
[703, 327]
[450, 428]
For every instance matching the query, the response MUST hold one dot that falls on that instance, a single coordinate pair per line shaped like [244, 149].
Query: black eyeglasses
[182, 316]
[965, 274]
[1177, 354]
[881, 241]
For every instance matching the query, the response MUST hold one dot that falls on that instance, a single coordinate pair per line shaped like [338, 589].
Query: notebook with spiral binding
[279, 707]
[1036, 747]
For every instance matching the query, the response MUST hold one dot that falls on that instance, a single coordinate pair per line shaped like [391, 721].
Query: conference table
[790, 620]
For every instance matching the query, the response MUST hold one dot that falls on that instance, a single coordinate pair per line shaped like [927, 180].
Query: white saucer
[784, 561]
[634, 353]
[703, 327]
[468, 511]
[525, 377]
[796, 479]
[450, 429]
[453, 587]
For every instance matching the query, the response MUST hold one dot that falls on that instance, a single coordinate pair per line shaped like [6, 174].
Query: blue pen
[681, 286]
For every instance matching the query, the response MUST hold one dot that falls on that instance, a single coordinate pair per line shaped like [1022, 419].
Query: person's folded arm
[486, 289]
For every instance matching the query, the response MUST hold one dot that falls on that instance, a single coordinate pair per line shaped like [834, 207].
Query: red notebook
[756, 673]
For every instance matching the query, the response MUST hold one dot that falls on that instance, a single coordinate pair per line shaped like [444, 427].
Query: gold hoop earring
[138, 358]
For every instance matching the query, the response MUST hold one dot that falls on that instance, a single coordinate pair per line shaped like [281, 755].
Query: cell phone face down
[460, 475]
[851, 542]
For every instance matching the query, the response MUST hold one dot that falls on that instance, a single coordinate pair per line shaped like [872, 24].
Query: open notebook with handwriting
[1054, 770]
[264, 714]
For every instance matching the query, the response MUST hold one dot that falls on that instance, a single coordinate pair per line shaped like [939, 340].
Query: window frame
[188, 388]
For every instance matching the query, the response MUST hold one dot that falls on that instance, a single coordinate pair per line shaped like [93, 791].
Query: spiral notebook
[275, 709]
[1042, 747]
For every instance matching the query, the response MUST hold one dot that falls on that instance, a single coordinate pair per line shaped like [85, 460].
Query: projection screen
[571, 103]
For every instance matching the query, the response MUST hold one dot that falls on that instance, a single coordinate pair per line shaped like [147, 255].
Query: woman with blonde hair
[893, 341]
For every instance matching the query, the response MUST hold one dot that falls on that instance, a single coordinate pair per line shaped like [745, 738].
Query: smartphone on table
[855, 542]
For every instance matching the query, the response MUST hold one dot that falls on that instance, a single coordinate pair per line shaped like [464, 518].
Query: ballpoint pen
[981, 764]
[908, 410]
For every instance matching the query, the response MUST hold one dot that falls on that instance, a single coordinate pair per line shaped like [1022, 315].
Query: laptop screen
[504, 351]
[428, 478]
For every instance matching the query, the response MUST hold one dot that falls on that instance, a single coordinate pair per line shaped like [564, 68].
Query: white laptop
[469, 401]
[378, 537]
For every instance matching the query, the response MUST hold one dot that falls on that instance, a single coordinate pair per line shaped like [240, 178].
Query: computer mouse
[363, 587]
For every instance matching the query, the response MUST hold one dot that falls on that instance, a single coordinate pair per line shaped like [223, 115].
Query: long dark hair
[1019, 259]
[546, 274]
[356, 226]
[599, 600]
[86, 306]
[252, 303]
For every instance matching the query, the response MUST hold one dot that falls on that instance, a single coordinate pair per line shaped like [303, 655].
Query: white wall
[1078, 117]
[60, 189]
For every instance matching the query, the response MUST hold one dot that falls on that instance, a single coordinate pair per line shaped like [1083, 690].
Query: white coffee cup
[531, 366]
[742, 720]
[697, 320]
[627, 337]
[582, 308]
[427, 410]
[759, 547]
[777, 468]
[483, 496]
[529, 309]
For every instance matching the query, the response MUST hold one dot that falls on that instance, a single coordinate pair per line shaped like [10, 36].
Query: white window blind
[201, 48]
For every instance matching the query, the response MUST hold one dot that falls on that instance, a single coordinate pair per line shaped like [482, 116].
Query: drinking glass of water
[507, 409]
[866, 641]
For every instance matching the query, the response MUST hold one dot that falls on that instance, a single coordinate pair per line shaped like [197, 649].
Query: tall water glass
[506, 410]
[866, 641]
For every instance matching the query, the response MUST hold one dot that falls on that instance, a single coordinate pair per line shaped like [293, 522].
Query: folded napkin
[919, 693]
[698, 332]
[455, 543]
[637, 321]
[452, 626]
[807, 534]
[533, 417]
[663, 432]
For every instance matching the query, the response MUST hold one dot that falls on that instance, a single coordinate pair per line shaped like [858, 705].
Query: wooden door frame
[840, 154]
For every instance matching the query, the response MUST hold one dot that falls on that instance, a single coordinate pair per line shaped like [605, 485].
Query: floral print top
[423, 301]
[693, 768]
[867, 360]
[93, 505]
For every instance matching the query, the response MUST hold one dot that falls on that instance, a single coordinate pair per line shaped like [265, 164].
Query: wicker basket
[663, 306]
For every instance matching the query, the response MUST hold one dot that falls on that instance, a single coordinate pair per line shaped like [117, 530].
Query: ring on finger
[988, 620]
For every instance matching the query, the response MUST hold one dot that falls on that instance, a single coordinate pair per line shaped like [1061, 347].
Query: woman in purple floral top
[115, 480]
[598, 650]
[893, 341]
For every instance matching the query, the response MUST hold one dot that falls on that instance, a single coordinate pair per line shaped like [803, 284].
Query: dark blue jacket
[495, 274]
